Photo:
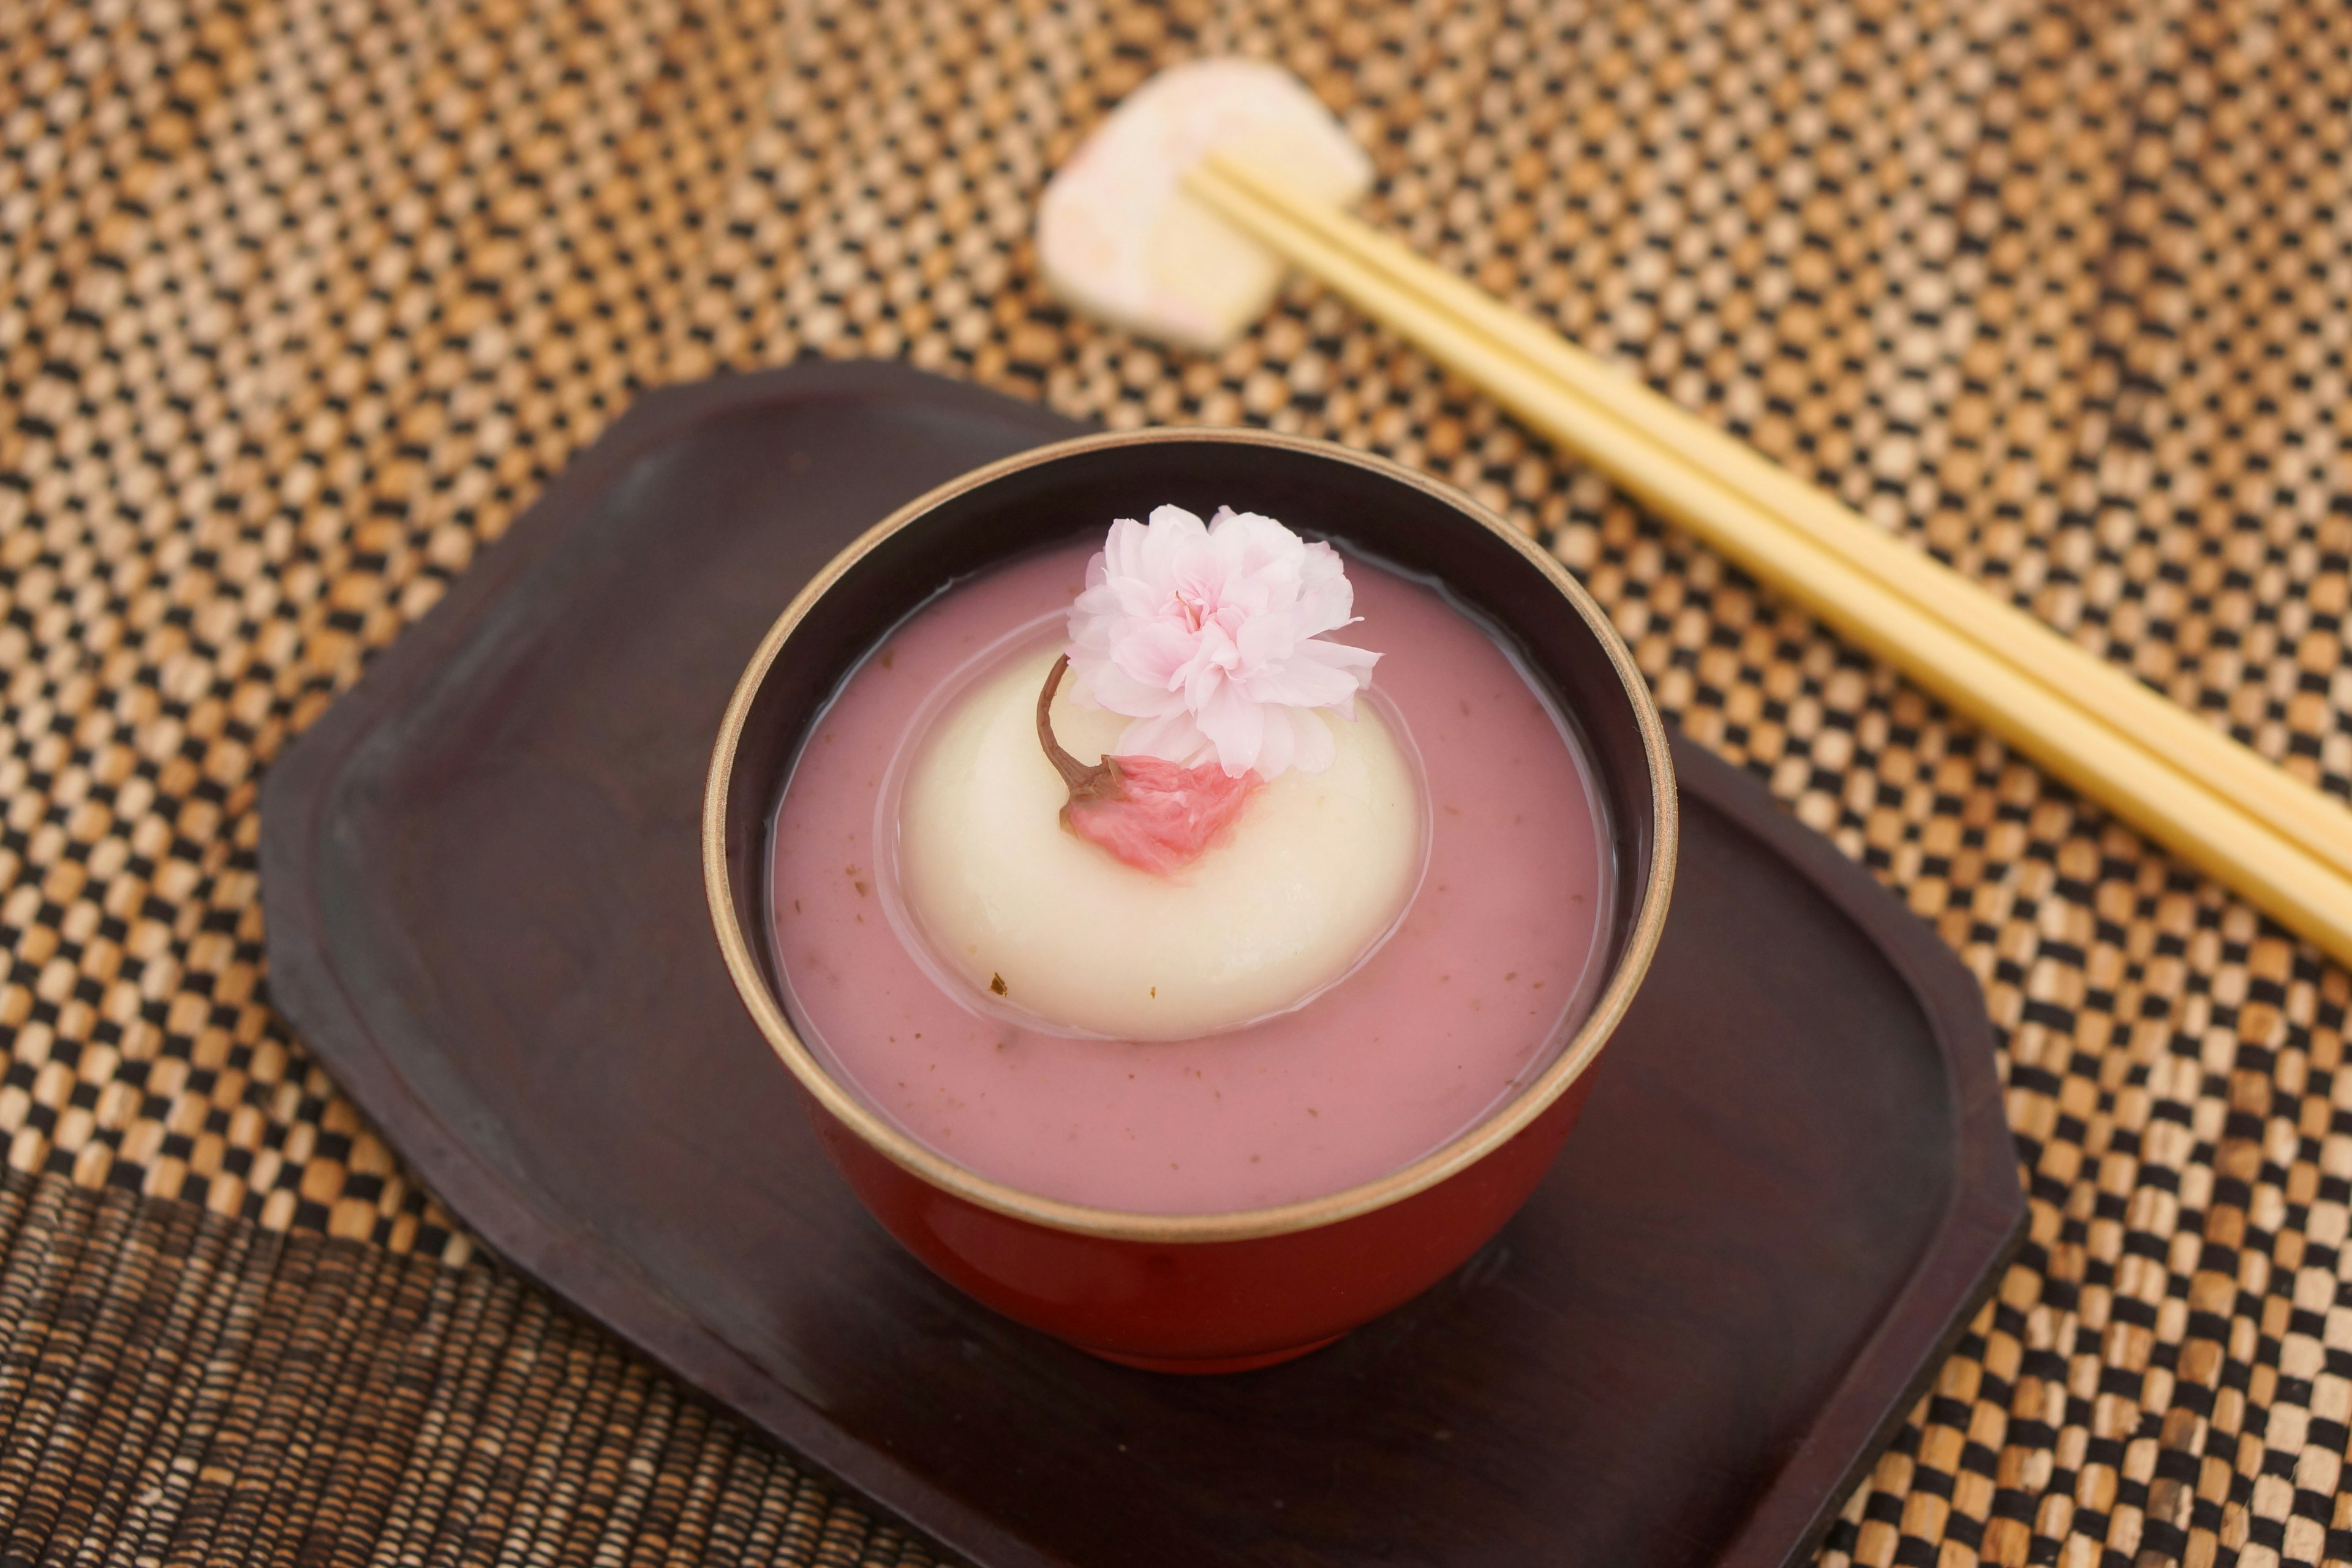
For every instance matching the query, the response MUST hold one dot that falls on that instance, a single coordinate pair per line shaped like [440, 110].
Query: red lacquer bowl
[1212, 1292]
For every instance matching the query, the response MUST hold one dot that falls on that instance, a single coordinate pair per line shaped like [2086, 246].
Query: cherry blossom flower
[1209, 637]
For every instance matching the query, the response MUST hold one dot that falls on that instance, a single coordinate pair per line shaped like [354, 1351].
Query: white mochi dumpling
[1117, 236]
[1057, 929]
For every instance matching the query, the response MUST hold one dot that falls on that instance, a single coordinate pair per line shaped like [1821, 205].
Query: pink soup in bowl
[1198, 1197]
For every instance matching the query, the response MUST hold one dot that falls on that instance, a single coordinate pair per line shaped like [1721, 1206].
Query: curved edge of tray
[1981, 1229]
[528, 1228]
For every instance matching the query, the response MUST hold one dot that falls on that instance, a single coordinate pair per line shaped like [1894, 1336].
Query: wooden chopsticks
[2218, 804]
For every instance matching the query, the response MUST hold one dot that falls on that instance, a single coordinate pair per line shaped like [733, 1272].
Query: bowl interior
[1318, 490]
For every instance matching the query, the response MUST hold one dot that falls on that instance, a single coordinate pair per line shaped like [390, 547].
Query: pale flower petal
[1278, 748]
[1236, 726]
[1326, 600]
[1110, 687]
[1313, 747]
[1172, 737]
[1301, 684]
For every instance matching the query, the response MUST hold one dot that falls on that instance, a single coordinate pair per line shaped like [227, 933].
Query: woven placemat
[300, 303]
[180, 1388]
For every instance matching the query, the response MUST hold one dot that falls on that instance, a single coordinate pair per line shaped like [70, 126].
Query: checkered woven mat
[302, 301]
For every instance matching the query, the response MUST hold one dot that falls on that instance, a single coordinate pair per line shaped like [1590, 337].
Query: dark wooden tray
[485, 912]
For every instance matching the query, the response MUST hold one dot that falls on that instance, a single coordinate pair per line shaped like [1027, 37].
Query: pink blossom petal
[1236, 726]
[1156, 654]
[1266, 640]
[1173, 737]
[1113, 689]
[1326, 600]
[1312, 749]
[1208, 674]
[1300, 684]
[1175, 538]
[1277, 751]
[1331, 672]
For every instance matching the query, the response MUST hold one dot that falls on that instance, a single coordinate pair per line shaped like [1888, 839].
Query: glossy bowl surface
[1215, 1291]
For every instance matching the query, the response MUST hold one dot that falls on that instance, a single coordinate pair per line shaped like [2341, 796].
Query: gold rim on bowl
[1465, 1151]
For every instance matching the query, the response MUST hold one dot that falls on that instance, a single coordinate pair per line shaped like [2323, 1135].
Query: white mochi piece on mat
[1118, 237]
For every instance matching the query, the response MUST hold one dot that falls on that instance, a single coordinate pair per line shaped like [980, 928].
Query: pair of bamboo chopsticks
[2213, 802]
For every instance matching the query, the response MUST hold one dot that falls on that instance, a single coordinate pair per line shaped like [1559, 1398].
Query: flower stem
[1086, 783]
